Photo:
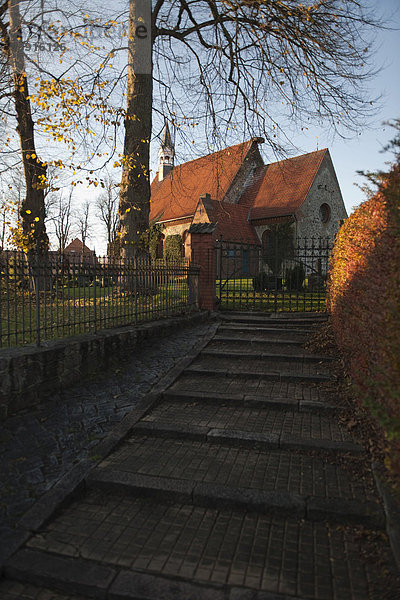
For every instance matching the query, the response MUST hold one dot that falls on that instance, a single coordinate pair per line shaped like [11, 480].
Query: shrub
[263, 281]
[364, 299]
[259, 282]
[151, 240]
[173, 247]
[278, 246]
[295, 277]
[316, 282]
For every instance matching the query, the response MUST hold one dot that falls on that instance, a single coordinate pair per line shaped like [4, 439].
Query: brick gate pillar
[203, 255]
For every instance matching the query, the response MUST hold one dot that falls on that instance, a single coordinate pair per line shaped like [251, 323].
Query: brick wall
[203, 255]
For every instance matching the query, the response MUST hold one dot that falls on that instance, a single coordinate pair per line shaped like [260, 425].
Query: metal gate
[278, 277]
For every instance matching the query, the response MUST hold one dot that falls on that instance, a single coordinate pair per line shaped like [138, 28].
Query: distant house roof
[280, 188]
[177, 195]
[77, 246]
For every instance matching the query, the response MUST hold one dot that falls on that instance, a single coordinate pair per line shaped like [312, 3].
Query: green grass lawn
[239, 294]
[74, 310]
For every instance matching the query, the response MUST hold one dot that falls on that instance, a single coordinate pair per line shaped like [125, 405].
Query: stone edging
[30, 374]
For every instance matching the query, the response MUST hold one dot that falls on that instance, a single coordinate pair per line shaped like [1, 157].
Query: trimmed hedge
[364, 300]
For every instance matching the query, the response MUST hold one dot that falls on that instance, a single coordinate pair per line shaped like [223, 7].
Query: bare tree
[4, 222]
[8, 219]
[13, 192]
[62, 220]
[83, 223]
[107, 205]
[261, 66]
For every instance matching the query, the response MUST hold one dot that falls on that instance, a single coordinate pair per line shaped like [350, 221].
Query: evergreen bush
[295, 277]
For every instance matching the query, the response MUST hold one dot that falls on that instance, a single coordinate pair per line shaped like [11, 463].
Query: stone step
[122, 548]
[265, 333]
[247, 353]
[260, 364]
[263, 372]
[274, 321]
[272, 327]
[267, 327]
[218, 496]
[250, 400]
[245, 439]
[16, 590]
[258, 419]
[184, 467]
[278, 316]
[246, 414]
[303, 315]
[267, 342]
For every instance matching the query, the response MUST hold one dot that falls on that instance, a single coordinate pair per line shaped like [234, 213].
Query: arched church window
[325, 212]
[266, 242]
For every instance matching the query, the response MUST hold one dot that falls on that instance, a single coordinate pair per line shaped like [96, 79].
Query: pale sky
[363, 152]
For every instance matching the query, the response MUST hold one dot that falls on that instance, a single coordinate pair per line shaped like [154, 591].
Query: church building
[244, 197]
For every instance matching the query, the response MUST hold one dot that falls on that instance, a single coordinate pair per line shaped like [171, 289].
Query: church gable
[323, 209]
[281, 188]
[245, 173]
[176, 196]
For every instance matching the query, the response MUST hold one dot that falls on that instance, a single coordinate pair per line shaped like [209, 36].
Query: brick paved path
[40, 446]
[236, 483]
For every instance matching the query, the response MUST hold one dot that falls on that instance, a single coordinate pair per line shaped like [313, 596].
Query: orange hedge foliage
[364, 300]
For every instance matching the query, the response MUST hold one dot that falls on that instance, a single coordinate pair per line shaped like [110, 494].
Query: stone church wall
[243, 176]
[324, 192]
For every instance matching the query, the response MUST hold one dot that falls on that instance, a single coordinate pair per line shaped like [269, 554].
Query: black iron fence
[58, 296]
[284, 275]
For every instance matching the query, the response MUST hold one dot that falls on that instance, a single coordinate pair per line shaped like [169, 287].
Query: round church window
[324, 212]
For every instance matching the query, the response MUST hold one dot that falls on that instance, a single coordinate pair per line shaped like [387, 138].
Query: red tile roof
[77, 246]
[232, 221]
[178, 194]
[280, 188]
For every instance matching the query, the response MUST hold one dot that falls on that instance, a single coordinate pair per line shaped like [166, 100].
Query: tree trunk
[134, 201]
[32, 210]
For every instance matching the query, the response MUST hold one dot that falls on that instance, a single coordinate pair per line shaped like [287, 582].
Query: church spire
[166, 138]
[166, 154]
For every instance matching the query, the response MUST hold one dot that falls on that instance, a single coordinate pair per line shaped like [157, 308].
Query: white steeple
[166, 154]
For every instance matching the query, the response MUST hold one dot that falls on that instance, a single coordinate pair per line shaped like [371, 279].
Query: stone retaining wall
[30, 374]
